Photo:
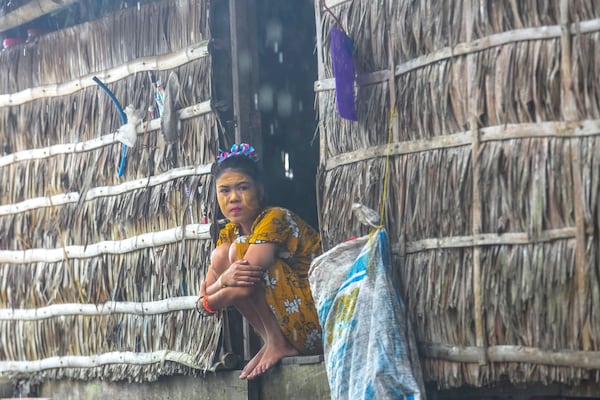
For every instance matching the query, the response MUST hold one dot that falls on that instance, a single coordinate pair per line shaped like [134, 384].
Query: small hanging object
[188, 193]
[123, 119]
[127, 133]
[343, 71]
[169, 119]
[11, 42]
[34, 33]
[366, 215]
[159, 95]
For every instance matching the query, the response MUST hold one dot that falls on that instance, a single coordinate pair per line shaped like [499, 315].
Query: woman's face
[239, 198]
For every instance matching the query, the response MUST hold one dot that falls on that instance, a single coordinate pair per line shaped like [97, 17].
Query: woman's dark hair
[240, 163]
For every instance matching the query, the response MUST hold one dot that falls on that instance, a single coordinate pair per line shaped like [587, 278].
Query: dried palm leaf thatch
[157, 196]
[89, 113]
[131, 340]
[143, 276]
[493, 191]
[146, 209]
[156, 28]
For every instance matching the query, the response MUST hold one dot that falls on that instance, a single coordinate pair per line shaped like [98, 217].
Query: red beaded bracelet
[207, 307]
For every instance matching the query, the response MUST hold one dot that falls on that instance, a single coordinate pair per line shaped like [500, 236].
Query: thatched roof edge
[31, 11]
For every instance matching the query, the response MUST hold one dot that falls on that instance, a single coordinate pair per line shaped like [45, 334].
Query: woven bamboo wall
[493, 114]
[98, 271]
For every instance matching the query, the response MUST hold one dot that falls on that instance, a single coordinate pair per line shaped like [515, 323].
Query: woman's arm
[240, 278]
[219, 261]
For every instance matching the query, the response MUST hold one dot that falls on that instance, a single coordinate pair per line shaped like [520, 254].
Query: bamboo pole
[476, 228]
[110, 307]
[135, 243]
[321, 75]
[506, 353]
[569, 109]
[492, 239]
[94, 361]
[463, 49]
[322, 111]
[153, 63]
[105, 140]
[104, 191]
[558, 129]
[30, 11]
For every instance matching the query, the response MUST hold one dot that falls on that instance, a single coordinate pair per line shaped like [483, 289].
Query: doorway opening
[287, 71]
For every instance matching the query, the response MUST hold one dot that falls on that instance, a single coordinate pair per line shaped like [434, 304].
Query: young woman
[260, 265]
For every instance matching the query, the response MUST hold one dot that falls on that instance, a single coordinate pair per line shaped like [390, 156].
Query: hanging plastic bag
[364, 323]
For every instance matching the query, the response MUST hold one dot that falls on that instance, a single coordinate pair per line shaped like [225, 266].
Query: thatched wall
[492, 110]
[98, 271]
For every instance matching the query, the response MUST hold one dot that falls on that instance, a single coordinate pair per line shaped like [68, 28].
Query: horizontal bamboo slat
[105, 140]
[489, 239]
[558, 129]
[155, 63]
[523, 354]
[499, 39]
[108, 308]
[143, 241]
[115, 357]
[104, 191]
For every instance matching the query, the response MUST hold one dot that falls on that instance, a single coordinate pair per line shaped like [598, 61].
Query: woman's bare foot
[270, 357]
[252, 363]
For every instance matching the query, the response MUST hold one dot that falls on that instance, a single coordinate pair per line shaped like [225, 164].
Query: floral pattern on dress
[292, 306]
[287, 290]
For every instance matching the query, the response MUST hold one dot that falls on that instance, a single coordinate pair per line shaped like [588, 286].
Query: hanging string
[123, 120]
[386, 176]
[337, 20]
[386, 179]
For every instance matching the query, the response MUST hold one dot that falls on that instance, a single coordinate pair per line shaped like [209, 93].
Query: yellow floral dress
[287, 289]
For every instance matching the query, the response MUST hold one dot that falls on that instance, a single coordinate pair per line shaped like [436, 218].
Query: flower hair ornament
[243, 149]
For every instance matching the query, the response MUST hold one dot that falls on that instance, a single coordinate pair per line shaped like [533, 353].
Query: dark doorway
[287, 72]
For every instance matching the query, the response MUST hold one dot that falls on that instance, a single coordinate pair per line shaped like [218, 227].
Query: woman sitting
[260, 265]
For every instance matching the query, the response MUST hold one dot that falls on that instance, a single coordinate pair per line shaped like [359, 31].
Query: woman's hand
[241, 273]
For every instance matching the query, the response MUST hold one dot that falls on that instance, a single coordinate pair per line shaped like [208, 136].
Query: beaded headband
[243, 149]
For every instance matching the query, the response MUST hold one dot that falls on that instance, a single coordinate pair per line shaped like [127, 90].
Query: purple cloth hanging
[343, 71]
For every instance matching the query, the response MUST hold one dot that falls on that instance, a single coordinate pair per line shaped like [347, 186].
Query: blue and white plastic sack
[365, 328]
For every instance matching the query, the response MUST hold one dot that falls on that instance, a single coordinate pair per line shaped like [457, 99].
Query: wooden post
[472, 95]
[244, 70]
[570, 114]
[244, 65]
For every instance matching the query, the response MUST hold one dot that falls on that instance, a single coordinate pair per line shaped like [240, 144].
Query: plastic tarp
[364, 323]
